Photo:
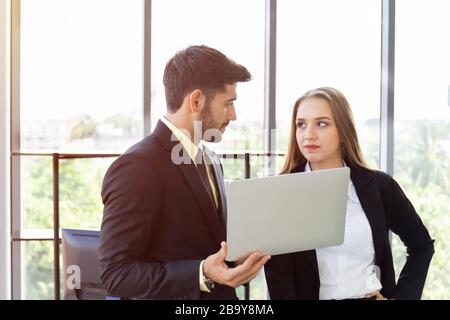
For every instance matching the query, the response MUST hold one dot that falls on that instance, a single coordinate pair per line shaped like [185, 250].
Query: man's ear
[196, 101]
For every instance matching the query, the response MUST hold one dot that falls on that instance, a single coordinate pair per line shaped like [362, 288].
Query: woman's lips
[311, 148]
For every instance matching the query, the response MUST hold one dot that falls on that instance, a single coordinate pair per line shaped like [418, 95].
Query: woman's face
[317, 135]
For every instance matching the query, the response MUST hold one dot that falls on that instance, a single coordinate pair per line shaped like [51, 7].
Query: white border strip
[5, 276]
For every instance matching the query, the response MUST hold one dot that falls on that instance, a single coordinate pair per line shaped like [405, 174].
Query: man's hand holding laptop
[247, 269]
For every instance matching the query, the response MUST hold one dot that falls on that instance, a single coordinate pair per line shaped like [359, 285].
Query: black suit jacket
[296, 275]
[159, 223]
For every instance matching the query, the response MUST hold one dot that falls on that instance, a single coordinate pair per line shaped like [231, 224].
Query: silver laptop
[287, 213]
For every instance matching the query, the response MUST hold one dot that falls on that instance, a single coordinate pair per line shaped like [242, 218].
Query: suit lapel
[209, 211]
[193, 180]
[312, 257]
[369, 196]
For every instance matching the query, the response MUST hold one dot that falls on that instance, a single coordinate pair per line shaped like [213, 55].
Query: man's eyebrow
[231, 99]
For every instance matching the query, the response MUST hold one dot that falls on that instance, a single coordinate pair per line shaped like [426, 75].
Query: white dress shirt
[348, 271]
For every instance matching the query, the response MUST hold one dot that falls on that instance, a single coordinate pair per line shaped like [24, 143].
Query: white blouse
[348, 271]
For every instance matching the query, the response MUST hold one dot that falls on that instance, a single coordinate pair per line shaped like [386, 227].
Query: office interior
[81, 81]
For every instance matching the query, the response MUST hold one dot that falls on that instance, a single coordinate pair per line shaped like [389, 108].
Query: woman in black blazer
[323, 136]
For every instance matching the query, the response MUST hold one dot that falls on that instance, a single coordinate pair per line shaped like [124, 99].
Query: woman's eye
[301, 125]
[323, 124]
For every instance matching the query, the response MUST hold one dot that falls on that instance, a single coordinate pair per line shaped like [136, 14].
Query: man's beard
[210, 128]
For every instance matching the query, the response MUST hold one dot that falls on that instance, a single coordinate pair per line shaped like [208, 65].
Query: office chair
[81, 267]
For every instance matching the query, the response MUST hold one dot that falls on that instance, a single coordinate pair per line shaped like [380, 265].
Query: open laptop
[287, 213]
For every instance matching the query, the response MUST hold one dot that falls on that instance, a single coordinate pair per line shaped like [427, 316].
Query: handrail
[68, 155]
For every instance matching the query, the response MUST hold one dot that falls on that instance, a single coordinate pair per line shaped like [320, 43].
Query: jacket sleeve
[132, 199]
[404, 221]
[280, 277]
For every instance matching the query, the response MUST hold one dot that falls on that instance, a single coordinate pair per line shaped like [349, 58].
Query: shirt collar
[187, 144]
[308, 168]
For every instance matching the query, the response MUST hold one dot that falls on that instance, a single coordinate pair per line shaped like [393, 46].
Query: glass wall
[81, 91]
[422, 128]
[234, 27]
[326, 43]
[81, 74]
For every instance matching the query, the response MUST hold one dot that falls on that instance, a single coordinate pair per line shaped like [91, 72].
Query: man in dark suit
[163, 229]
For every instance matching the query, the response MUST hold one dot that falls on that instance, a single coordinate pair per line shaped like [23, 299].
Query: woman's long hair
[343, 117]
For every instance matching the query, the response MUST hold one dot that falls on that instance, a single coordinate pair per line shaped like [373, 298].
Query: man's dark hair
[203, 68]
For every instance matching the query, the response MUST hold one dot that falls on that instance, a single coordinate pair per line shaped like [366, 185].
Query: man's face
[216, 117]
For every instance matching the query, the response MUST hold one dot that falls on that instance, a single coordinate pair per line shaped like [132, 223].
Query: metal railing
[56, 157]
